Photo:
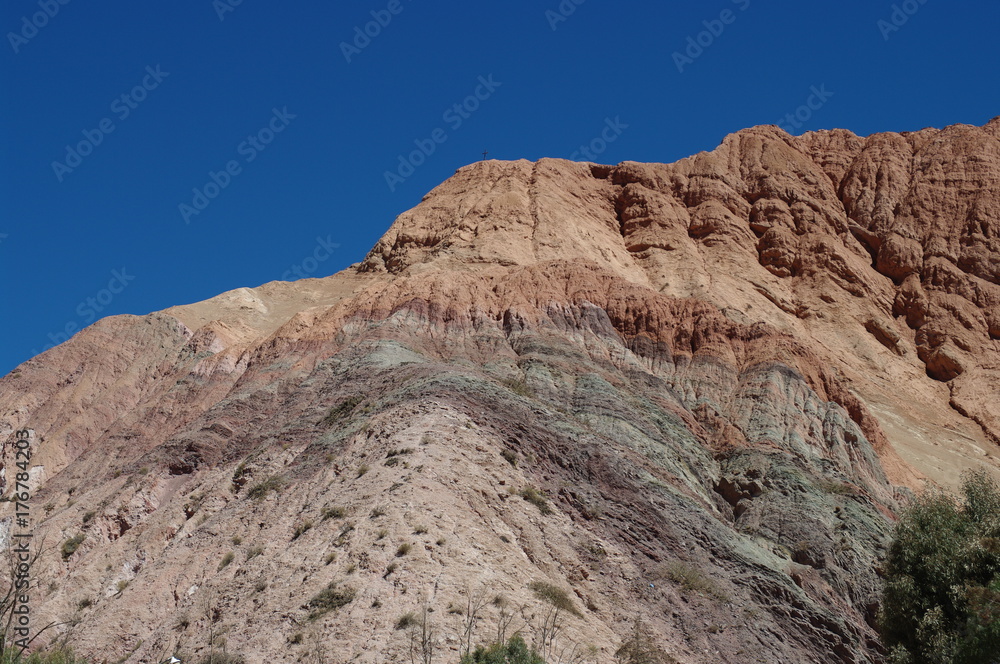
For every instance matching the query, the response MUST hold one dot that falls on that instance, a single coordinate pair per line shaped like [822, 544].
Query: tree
[941, 600]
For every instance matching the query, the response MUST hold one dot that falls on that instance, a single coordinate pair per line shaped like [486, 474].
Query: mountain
[693, 395]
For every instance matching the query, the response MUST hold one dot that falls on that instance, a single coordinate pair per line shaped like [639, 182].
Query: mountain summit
[556, 398]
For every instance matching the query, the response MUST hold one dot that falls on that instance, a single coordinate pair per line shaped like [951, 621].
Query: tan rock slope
[692, 394]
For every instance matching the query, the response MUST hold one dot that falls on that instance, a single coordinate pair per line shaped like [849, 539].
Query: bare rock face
[693, 394]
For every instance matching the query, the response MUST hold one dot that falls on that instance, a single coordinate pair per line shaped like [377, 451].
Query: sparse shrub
[377, 512]
[240, 476]
[394, 452]
[254, 551]
[510, 456]
[274, 483]
[408, 619]
[341, 411]
[144, 470]
[121, 585]
[391, 461]
[330, 598]
[330, 557]
[362, 469]
[392, 567]
[441, 541]
[351, 568]
[345, 530]
[519, 387]
[403, 549]
[260, 586]
[296, 638]
[226, 559]
[333, 512]
[70, 546]
[301, 529]
[376, 603]
[691, 579]
[420, 530]
[88, 517]
[84, 603]
[183, 622]
[836, 488]
[554, 595]
[640, 648]
[382, 532]
[536, 498]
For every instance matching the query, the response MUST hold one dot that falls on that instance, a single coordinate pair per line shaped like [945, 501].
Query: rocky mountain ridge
[693, 394]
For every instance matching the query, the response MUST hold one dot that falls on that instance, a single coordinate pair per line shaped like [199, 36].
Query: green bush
[70, 546]
[515, 651]
[941, 599]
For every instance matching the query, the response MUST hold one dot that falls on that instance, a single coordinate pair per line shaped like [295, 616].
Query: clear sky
[286, 119]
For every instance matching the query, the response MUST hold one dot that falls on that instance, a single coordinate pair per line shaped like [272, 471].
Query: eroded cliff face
[715, 380]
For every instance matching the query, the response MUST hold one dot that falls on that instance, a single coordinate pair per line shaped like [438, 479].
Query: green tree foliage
[514, 651]
[941, 601]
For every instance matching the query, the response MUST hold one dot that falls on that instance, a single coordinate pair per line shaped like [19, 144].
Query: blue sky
[160, 153]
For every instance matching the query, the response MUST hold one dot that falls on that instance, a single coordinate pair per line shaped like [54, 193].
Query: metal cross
[484, 154]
